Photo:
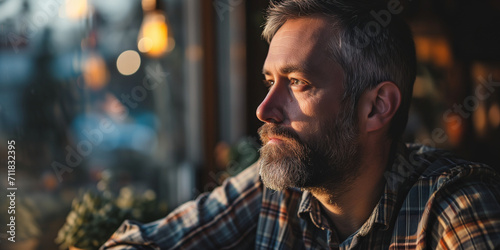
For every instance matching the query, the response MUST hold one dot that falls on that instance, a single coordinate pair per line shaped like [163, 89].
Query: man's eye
[297, 82]
[268, 83]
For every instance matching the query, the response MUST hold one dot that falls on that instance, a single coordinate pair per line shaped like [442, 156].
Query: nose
[270, 109]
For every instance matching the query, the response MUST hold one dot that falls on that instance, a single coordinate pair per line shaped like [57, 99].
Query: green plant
[95, 217]
[90, 222]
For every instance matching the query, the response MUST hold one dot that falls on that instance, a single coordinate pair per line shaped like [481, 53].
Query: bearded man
[333, 172]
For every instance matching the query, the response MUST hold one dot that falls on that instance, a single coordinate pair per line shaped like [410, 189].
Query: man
[332, 172]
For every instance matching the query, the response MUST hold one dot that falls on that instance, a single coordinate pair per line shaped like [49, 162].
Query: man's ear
[377, 106]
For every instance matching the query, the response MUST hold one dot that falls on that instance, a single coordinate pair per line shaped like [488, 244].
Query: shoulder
[465, 214]
[446, 176]
[441, 168]
[460, 200]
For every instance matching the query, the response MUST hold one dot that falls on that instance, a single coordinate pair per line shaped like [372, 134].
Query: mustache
[270, 129]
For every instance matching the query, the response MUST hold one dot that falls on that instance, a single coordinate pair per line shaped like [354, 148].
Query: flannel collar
[399, 172]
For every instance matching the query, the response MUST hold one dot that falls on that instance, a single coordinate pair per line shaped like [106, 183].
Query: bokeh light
[153, 36]
[95, 72]
[76, 9]
[128, 62]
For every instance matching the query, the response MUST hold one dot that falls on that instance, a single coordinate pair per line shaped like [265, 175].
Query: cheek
[306, 118]
[320, 105]
[312, 111]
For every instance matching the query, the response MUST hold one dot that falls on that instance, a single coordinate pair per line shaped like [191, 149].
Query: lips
[272, 133]
[274, 140]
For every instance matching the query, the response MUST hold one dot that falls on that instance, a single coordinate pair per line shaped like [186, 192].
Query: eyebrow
[291, 68]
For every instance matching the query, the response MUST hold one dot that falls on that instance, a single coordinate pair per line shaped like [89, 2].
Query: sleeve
[226, 218]
[466, 216]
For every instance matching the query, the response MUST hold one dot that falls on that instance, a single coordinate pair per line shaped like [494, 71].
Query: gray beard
[281, 167]
[327, 162]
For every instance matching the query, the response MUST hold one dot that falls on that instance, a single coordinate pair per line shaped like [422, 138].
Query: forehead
[300, 42]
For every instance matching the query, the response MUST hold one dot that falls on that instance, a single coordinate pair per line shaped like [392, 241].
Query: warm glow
[494, 115]
[95, 72]
[480, 120]
[148, 5]
[153, 37]
[454, 129]
[128, 62]
[76, 9]
[145, 44]
[433, 49]
[423, 47]
[442, 54]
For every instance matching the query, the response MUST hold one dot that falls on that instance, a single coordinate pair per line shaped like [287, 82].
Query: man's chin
[282, 174]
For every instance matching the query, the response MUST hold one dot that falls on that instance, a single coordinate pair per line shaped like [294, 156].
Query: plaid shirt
[431, 200]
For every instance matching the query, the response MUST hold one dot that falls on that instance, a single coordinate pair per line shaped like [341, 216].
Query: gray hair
[371, 44]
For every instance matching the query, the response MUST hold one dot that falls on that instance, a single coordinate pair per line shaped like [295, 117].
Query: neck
[348, 209]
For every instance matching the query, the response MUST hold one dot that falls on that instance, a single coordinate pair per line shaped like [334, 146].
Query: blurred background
[126, 109]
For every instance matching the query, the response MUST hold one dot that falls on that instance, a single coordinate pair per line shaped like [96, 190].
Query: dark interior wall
[256, 54]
